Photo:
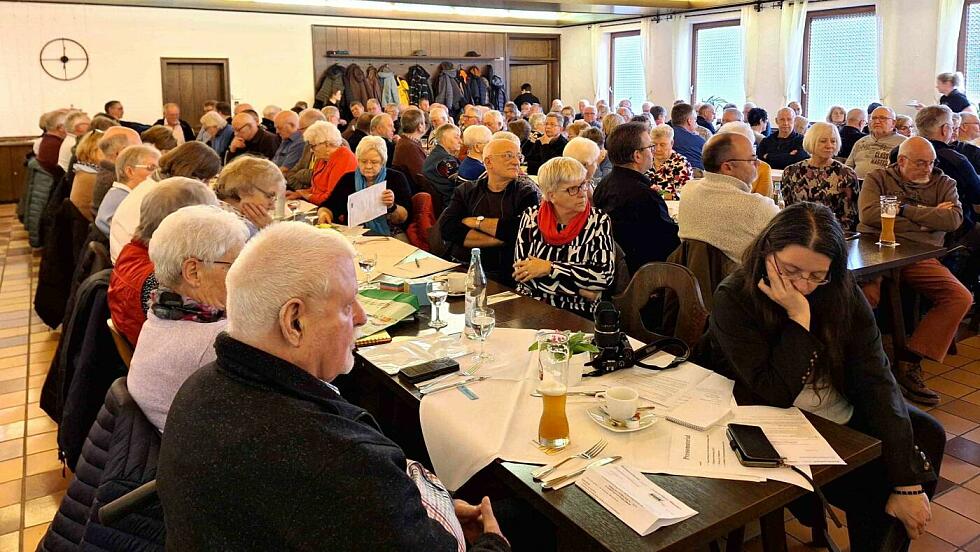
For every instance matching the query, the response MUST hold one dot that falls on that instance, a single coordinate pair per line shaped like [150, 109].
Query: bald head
[243, 107]
[287, 122]
[245, 126]
[969, 127]
[856, 118]
[309, 116]
[116, 139]
[916, 158]
[502, 160]
[131, 135]
[882, 122]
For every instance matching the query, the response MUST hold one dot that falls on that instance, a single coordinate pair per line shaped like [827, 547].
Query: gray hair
[583, 150]
[737, 127]
[55, 119]
[931, 118]
[309, 116]
[817, 131]
[246, 174]
[282, 262]
[535, 119]
[476, 135]
[322, 131]
[495, 114]
[330, 110]
[440, 132]
[215, 119]
[113, 145]
[375, 143]
[558, 171]
[735, 110]
[132, 156]
[662, 131]
[558, 117]
[506, 135]
[165, 198]
[379, 120]
[73, 118]
[202, 232]
[270, 111]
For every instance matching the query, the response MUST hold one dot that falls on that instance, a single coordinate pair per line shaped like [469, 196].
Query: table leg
[773, 531]
[735, 540]
[892, 286]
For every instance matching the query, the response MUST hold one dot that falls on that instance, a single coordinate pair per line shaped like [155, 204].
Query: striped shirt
[587, 262]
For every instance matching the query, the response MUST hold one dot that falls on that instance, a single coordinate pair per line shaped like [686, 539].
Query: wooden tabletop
[866, 258]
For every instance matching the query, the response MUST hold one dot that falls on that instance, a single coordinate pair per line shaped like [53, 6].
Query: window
[718, 65]
[840, 60]
[627, 69]
[968, 60]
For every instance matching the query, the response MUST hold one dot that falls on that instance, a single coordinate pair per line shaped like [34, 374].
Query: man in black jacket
[641, 223]
[260, 451]
[526, 96]
[251, 138]
[171, 119]
[852, 131]
[785, 147]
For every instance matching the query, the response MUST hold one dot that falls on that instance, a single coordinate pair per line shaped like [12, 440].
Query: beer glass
[553, 355]
[889, 210]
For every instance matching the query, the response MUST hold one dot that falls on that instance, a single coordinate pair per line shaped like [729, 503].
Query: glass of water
[437, 291]
[367, 262]
[483, 321]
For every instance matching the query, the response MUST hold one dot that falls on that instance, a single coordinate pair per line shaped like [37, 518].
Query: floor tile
[953, 423]
[41, 510]
[40, 425]
[956, 360]
[931, 543]
[46, 483]
[12, 385]
[10, 492]
[952, 527]
[41, 462]
[963, 409]
[973, 397]
[9, 542]
[959, 375]
[42, 442]
[21, 350]
[934, 368]
[10, 518]
[11, 414]
[11, 399]
[964, 449]
[33, 535]
[969, 349]
[973, 435]
[962, 501]
[11, 449]
[949, 387]
[957, 470]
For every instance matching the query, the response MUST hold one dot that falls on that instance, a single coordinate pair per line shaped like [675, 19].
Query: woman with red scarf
[565, 251]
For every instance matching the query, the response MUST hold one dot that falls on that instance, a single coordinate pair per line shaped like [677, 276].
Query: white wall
[912, 76]
[270, 56]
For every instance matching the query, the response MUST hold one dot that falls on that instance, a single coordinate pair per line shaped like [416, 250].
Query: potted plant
[581, 346]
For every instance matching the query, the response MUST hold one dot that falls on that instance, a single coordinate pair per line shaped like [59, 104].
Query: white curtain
[947, 37]
[792, 25]
[599, 46]
[681, 57]
[888, 15]
[750, 49]
[646, 35]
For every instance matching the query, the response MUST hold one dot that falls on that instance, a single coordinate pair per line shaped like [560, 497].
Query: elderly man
[641, 224]
[720, 209]
[133, 166]
[935, 124]
[475, 138]
[929, 209]
[251, 138]
[113, 141]
[49, 146]
[749, 106]
[550, 145]
[76, 124]
[356, 110]
[384, 126]
[373, 107]
[686, 140]
[469, 116]
[730, 115]
[494, 120]
[180, 128]
[511, 112]
[969, 128]
[872, 152]
[589, 116]
[796, 107]
[486, 213]
[291, 147]
[332, 115]
[785, 147]
[409, 155]
[114, 109]
[298, 176]
[269, 113]
[706, 117]
[852, 131]
[442, 165]
[321, 474]
[438, 116]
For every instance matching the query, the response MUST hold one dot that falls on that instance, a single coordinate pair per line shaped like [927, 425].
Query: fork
[589, 454]
[464, 373]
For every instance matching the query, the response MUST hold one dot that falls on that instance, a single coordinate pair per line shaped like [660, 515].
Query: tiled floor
[31, 481]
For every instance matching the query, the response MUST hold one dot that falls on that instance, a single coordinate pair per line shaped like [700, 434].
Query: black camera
[615, 351]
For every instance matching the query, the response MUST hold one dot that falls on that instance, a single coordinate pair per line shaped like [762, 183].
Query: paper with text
[640, 503]
[791, 434]
[366, 204]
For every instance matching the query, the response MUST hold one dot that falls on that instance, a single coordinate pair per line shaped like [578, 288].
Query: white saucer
[598, 415]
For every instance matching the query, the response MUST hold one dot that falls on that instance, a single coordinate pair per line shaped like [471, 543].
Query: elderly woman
[599, 139]
[475, 138]
[191, 252]
[132, 280]
[587, 153]
[763, 179]
[537, 126]
[576, 128]
[160, 137]
[371, 159]
[218, 132]
[87, 158]
[249, 187]
[670, 170]
[548, 146]
[611, 121]
[905, 126]
[837, 116]
[823, 179]
[800, 124]
[333, 161]
[565, 251]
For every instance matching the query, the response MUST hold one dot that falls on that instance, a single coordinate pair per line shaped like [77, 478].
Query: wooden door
[190, 82]
[534, 59]
[12, 169]
[538, 75]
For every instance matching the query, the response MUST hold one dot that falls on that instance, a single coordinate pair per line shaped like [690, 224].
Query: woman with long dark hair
[791, 327]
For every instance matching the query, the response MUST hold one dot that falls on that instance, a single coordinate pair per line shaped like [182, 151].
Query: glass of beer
[553, 355]
[889, 210]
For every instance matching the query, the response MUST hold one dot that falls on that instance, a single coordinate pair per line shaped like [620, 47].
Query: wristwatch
[479, 221]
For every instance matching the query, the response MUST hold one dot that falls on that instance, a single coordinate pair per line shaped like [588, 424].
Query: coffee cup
[621, 403]
[457, 282]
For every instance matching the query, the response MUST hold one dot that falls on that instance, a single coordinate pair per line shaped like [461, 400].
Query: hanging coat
[355, 84]
[389, 88]
[478, 89]
[448, 92]
[373, 83]
[331, 81]
[418, 85]
[498, 95]
[403, 97]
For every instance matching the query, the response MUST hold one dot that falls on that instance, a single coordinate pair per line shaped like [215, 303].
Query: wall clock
[64, 59]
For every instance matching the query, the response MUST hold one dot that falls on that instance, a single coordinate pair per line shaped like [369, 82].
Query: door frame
[164, 61]
[554, 63]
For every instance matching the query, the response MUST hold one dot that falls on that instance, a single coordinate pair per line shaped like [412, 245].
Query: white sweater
[722, 211]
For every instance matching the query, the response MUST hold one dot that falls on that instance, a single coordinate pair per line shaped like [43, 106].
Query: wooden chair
[652, 277]
[122, 344]
[425, 186]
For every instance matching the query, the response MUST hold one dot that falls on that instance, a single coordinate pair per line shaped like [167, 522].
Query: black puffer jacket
[418, 85]
[120, 454]
[331, 81]
[498, 92]
[477, 87]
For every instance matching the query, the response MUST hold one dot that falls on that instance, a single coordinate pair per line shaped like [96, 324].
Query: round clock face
[64, 59]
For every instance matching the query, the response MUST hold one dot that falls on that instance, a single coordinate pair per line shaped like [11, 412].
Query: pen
[417, 265]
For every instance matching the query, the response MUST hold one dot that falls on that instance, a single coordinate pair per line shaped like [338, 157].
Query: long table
[724, 506]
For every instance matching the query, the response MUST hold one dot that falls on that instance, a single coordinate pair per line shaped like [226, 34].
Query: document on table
[366, 205]
[634, 499]
[705, 454]
[668, 388]
[792, 435]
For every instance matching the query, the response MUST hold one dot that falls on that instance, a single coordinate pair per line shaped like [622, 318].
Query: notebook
[374, 339]
[698, 414]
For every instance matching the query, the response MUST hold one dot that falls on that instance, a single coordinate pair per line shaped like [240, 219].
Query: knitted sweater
[870, 153]
[920, 221]
[722, 211]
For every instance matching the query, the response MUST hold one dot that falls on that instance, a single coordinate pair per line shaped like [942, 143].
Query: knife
[552, 483]
[443, 387]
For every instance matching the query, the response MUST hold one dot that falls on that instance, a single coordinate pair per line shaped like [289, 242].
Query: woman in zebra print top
[565, 251]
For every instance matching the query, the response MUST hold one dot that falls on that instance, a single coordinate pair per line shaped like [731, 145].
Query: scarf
[380, 224]
[548, 224]
[170, 305]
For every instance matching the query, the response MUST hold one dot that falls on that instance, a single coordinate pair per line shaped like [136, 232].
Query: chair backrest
[437, 204]
[421, 221]
[122, 344]
[651, 277]
[100, 257]
[708, 264]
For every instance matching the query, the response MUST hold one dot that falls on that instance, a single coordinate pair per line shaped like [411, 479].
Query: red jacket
[327, 173]
[132, 268]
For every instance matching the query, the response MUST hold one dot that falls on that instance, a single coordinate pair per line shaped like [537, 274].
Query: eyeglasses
[227, 263]
[241, 128]
[795, 274]
[508, 156]
[577, 190]
[754, 160]
[147, 167]
[919, 163]
[879, 118]
[651, 146]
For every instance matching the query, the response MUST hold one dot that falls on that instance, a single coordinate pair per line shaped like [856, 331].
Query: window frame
[612, 64]
[961, 41]
[698, 27]
[823, 14]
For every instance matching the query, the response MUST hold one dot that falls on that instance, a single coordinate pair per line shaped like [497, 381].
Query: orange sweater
[327, 173]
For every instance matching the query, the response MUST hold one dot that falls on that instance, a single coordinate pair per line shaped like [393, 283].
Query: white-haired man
[442, 165]
[475, 138]
[785, 147]
[494, 120]
[180, 128]
[313, 470]
[76, 124]
[383, 125]
[133, 166]
[872, 151]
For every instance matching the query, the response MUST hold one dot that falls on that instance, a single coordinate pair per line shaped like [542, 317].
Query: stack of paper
[633, 498]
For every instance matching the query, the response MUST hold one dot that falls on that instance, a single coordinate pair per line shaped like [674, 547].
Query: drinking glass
[367, 262]
[889, 210]
[553, 355]
[483, 321]
[437, 291]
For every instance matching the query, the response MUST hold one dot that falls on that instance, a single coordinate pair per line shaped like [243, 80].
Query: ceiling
[544, 13]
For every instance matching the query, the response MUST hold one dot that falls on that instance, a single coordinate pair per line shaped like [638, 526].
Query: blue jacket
[689, 145]
[389, 88]
[222, 140]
